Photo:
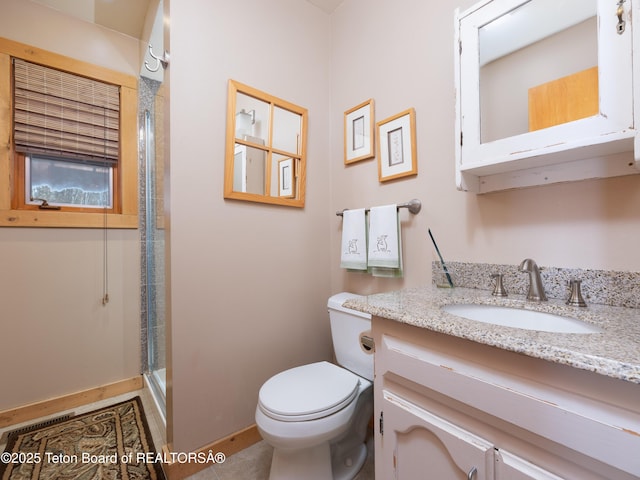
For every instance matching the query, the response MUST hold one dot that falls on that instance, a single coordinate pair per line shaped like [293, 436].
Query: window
[61, 182]
[66, 131]
[72, 156]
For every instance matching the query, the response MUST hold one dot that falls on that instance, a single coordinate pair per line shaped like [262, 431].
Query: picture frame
[286, 176]
[396, 141]
[359, 133]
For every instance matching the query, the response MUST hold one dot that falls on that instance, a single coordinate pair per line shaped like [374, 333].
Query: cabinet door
[418, 444]
[497, 147]
[512, 467]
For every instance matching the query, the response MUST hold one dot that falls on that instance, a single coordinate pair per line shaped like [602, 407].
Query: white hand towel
[384, 237]
[354, 240]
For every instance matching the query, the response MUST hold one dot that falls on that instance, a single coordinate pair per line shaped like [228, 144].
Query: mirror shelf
[265, 159]
[496, 146]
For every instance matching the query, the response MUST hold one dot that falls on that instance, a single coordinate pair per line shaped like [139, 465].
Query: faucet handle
[498, 289]
[575, 298]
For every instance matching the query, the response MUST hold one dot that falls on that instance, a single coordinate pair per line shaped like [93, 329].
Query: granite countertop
[614, 352]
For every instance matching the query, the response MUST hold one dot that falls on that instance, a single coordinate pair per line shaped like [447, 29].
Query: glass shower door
[153, 236]
[153, 108]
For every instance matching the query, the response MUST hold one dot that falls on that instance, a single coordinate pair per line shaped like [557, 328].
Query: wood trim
[65, 402]
[5, 131]
[227, 445]
[43, 218]
[128, 164]
[68, 64]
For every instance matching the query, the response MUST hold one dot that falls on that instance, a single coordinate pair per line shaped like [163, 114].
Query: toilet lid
[308, 392]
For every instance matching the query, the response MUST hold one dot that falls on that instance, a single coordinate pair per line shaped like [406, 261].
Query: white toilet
[316, 416]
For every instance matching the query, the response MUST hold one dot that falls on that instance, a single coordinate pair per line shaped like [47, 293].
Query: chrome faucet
[536, 288]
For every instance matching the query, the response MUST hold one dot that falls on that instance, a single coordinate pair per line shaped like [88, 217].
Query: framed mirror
[266, 141]
[544, 93]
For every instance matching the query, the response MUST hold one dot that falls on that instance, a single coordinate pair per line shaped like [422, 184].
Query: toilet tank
[347, 328]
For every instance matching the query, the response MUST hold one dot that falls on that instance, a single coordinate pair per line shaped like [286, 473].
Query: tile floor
[252, 463]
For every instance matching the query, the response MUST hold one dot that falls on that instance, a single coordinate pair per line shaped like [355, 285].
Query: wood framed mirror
[265, 159]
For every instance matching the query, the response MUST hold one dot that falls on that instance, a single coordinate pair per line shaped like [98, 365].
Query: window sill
[31, 218]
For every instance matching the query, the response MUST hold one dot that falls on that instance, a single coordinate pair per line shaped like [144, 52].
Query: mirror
[525, 69]
[538, 69]
[266, 140]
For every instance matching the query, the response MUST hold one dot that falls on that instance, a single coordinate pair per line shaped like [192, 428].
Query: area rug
[107, 444]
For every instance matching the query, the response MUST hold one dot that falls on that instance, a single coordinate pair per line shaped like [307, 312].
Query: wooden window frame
[13, 211]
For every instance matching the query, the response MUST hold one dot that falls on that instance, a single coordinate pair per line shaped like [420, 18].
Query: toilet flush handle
[367, 343]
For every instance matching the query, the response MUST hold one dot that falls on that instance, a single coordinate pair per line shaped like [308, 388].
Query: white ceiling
[128, 16]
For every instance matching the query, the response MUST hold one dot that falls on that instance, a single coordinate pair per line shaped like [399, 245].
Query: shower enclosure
[151, 213]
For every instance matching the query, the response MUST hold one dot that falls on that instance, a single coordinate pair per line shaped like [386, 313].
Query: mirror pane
[532, 65]
[252, 118]
[286, 130]
[249, 167]
[283, 176]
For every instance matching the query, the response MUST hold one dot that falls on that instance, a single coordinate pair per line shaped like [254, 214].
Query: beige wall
[401, 54]
[56, 336]
[46, 28]
[250, 282]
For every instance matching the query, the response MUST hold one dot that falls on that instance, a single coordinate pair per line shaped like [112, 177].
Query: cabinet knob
[472, 473]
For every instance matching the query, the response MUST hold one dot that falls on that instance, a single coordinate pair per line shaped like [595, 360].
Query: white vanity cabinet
[448, 408]
[424, 442]
[526, 113]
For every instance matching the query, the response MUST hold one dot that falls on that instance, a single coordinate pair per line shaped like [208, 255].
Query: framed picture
[358, 133]
[397, 146]
[286, 177]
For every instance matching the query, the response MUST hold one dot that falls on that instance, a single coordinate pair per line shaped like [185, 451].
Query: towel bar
[414, 207]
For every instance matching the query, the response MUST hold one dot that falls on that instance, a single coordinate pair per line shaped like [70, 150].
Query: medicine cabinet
[545, 92]
[265, 158]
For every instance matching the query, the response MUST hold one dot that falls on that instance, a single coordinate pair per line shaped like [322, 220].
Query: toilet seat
[308, 392]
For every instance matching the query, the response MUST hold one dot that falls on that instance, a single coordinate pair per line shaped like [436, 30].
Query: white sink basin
[519, 318]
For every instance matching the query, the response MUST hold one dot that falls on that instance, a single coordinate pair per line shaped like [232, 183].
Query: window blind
[65, 115]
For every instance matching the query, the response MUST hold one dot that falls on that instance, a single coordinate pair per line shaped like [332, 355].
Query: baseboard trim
[227, 445]
[65, 402]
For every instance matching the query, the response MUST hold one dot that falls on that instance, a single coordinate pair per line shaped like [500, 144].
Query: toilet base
[309, 464]
[315, 464]
[350, 464]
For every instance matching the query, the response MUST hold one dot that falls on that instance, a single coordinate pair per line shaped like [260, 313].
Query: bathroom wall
[34, 24]
[401, 54]
[249, 282]
[56, 336]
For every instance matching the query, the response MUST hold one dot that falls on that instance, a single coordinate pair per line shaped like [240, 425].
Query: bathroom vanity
[456, 398]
